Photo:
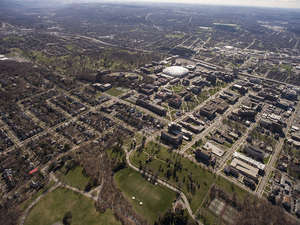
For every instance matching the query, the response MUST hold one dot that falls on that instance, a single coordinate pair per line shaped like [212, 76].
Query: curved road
[164, 183]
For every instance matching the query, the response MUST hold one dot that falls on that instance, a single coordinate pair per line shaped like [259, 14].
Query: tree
[67, 218]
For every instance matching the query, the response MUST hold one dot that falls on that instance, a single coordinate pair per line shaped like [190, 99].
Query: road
[87, 194]
[164, 183]
[270, 166]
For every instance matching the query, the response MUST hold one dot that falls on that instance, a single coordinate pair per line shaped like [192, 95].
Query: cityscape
[149, 113]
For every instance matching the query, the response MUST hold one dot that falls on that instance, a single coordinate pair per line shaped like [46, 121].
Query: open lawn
[25, 204]
[195, 181]
[114, 92]
[190, 174]
[230, 187]
[156, 199]
[55, 204]
[75, 178]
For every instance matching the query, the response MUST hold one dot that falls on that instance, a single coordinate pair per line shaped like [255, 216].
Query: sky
[259, 3]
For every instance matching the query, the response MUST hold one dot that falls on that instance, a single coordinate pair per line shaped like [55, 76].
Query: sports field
[156, 199]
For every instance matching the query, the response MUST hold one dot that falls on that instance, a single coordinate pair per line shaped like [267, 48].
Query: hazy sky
[260, 3]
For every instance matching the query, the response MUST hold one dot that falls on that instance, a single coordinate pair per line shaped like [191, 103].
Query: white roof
[249, 160]
[176, 71]
[244, 167]
[214, 149]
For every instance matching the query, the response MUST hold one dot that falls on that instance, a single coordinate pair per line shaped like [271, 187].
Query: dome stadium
[176, 71]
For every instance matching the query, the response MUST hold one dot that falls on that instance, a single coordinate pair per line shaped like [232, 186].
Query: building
[175, 71]
[203, 154]
[175, 102]
[231, 170]
[245, 169]
[214, 149]
[162, 95]
[249, 161]
[174, 81]
[220, 105]
[254, 152]
[209, 111]
[171, 138]
[249, 182]
[102, 87]
[152, 107]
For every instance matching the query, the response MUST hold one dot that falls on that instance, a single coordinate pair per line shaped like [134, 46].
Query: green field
[230, 187]
[156, 199]
[54, 205]
[75, 178]
[114, 92]
[199, 176]
[191, 174]
[25, 204]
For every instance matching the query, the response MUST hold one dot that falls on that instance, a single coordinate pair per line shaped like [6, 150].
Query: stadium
[176, 71]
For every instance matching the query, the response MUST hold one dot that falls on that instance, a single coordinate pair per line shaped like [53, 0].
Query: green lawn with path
[156, 199]
[75, 178]
[159, 165]
[52, 208]
[165, 159]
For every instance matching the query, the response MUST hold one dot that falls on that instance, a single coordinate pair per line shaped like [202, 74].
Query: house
[286, 202]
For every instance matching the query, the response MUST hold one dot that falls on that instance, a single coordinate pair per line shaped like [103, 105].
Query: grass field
[25, 204]
[54, 205]
[164, 160]
[156, 199]
[114, 92]
[159, 165]
[75, 178]
[230, 187]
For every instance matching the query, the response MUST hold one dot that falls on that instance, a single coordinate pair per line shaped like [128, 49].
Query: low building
[231, 170]
[171, 138]
[161, 95]
[249, 182]
[192, 128]
[102, 87]
[209, 111]
[175, 102]
[203, 154]
[254, 152]
[245, 169]
[152, 107]
[249, 161]
[214, 149]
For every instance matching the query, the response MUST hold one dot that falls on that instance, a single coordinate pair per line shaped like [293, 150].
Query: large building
[152, 107]
[245, 169]
[254, 152]
[176, 71]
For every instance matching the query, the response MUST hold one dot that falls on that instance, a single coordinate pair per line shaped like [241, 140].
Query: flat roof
[214, 149]
[249, 160]
[244, 167]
